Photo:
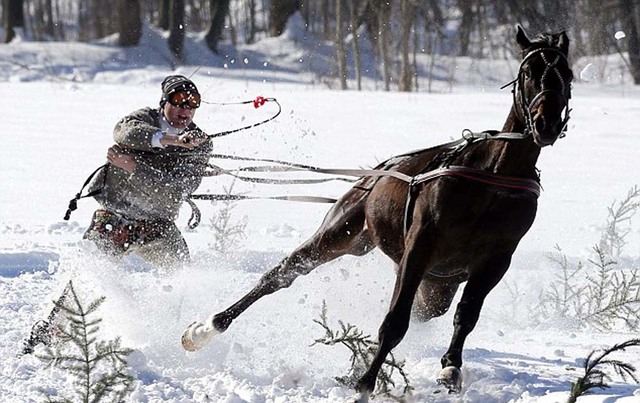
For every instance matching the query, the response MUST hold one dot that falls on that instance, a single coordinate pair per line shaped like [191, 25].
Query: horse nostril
[540, 124]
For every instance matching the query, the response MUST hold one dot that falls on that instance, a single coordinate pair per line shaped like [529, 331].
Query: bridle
[551, 69]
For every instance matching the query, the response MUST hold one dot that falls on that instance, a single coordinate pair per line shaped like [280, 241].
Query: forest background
[395, 32]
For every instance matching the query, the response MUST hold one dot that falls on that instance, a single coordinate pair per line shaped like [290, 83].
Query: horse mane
[546, 39]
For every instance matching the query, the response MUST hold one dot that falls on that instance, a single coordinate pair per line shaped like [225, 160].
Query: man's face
[178, 116]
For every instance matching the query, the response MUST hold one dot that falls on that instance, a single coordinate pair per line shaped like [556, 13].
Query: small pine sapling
[614, 295]
[600, 293]
[99, 368]
[362, 349]
[595, 377]
[227, 233]
[613, 238]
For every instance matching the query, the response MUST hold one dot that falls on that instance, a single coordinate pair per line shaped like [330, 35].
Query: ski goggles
[184, 99]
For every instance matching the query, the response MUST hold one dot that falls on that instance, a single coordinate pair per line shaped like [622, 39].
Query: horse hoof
[451, 378]
[197, 336]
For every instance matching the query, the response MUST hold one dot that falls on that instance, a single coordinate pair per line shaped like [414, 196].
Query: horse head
[543, 86]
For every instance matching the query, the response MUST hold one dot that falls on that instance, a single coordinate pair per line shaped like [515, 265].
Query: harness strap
[481, 176]
[274, 181]
[310, 199]
[73, 203]
[469, 173]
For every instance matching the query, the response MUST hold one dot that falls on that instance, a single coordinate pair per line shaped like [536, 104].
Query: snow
[57, 118]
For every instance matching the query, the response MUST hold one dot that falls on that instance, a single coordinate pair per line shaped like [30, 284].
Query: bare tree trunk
[630, 27]
[233, 33]
[305, 11]
[251, 36]
[326, 23]
[368, 16]
[176, 30]
[431, 41]
[164, 14]
[106, 25]
[83, 21]
[438, 18]
[281, 10]
[38, 22]
[466, 25]
[129, 22]
[61, 32]
[12, 17]
[195, 20]
[49, 27]
[383, 17]
[406, 70]
[219, 12]
[416, 45]
[340, 52]
[353, 26]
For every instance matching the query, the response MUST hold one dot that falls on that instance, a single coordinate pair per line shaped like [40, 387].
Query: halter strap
[550, 67]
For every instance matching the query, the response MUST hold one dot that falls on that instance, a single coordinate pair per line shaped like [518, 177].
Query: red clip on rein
[259, 101]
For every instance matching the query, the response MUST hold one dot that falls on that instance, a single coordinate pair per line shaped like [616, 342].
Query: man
[159, 159]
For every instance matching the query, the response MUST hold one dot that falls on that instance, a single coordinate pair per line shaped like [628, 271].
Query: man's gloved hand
[192, 138]
[189, 139]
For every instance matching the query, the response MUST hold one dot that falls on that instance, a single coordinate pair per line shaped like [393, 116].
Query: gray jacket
[163, 179]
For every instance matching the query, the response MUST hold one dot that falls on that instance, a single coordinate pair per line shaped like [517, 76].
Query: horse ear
[522, 38]
[563, 42]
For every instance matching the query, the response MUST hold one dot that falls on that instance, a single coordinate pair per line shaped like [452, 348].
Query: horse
[445, 215]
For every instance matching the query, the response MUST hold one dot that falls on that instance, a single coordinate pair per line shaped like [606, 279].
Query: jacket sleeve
[136, 130]
[179, 180]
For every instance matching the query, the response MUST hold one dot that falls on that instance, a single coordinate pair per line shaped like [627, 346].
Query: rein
[452, 149]
[257, 102]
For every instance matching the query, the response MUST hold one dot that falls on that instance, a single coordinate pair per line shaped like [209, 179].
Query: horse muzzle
[547, 127]
[545, 136]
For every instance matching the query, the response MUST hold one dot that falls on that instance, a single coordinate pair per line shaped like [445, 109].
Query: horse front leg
[342, 232]
[480, 283]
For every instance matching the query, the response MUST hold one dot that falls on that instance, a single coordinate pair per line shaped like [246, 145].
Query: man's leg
[167, 249]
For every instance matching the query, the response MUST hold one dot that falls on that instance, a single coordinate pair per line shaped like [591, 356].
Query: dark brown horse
[444, 215]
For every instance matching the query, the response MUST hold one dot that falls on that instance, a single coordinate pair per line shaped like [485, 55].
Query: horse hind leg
[342, 232]
[396, 322]
[432, 300]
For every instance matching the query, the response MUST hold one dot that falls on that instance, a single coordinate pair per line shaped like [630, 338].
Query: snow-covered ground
[55, 132]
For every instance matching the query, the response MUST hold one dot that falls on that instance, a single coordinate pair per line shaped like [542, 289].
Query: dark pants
[159, 242]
